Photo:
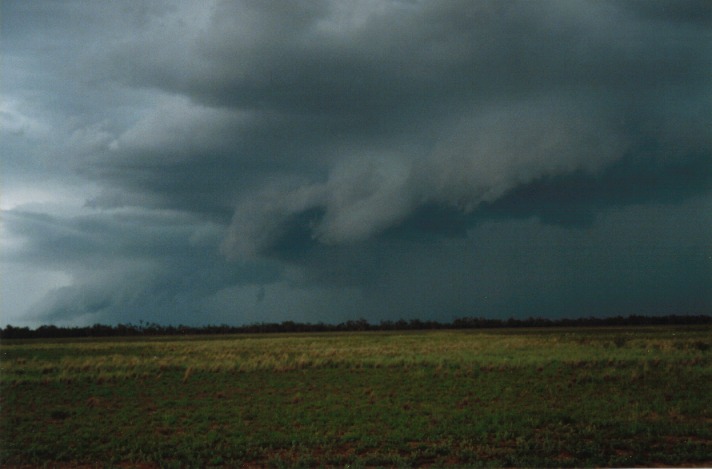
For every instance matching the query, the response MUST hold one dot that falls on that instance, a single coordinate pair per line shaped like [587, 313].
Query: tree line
[153, 329]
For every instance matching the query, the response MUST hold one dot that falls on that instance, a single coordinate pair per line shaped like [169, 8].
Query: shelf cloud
[252, 161]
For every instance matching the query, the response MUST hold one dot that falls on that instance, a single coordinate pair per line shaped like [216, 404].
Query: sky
[238, 162]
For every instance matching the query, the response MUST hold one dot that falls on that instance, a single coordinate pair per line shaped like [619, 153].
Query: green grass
[584, 397]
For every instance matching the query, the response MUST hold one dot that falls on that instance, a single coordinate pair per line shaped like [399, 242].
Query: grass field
[553, 397]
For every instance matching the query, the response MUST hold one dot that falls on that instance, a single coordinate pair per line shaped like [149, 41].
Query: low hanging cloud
[478, 161]
[321, 160]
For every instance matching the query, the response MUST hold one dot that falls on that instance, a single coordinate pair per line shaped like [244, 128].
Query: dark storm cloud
[125, 265]
[697, 12]
[361, 58]
[450, 104]
[380, 159]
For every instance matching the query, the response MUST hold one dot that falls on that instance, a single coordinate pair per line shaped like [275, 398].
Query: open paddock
[504, 397]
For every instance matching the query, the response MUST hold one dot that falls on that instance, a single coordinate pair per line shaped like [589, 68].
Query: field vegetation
[525, 397]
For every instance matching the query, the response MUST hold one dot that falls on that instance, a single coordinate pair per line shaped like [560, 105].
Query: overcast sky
[210, 162]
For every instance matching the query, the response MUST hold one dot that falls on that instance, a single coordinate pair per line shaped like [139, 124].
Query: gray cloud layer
[378, 159]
